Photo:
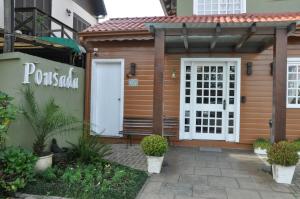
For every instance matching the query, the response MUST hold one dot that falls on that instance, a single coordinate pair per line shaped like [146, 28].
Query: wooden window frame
[290, 61]
[196, 11]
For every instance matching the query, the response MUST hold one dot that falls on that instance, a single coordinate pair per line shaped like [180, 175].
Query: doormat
[211, 149]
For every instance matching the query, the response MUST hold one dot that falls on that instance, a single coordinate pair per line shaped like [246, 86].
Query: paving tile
[276, 195]
[281, 187]
[255, 186]
[155, 196]
[221, 181]
[235, 173]
[164, 177]
[221, 164]
[241, 193]
[209, 192]
[152, 187]
[193, 179]
[208, 171]
[177, 189]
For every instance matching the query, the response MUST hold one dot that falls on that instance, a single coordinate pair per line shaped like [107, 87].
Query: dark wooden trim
[279, 85]
[214, 41]
[185, 37]
[159, 59]
[246, 36]
[87, 96]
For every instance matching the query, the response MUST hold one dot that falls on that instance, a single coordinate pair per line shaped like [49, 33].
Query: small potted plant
[45, 121]
[296, 144]
[261, 146]
[154, 147]
[283, 157]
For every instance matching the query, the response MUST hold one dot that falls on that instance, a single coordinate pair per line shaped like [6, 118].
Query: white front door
[210, 99]
[107, 97]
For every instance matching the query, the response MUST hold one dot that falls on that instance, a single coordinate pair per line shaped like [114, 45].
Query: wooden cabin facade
[223, 78]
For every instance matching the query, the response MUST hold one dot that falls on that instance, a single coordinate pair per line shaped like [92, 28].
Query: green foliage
[17, 169]
[154, 145]
[49, 174]
[262, 143]
[46, 121]
[89, 150]
[283, 153]
[7, 113]
[101, 180]
[296, 144]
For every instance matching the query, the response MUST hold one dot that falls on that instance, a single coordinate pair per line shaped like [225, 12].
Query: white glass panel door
[210, 107]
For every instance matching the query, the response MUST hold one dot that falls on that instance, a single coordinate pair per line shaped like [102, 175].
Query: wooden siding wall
[137, 100]
[257, 88]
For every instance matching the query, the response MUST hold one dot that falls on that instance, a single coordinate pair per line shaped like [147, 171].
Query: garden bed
[100, 180]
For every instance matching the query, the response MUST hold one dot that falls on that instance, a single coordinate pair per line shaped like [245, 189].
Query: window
[293, 84]
[79, 24]
[213, 7]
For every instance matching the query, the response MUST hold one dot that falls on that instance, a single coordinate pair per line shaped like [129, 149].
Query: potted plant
[261, 146]
[46, 121]
[296, 144]
[283, 157]
[154, 147]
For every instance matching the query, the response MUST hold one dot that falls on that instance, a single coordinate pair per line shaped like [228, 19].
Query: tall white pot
[154, 164]
[43, 163]
[282, 174]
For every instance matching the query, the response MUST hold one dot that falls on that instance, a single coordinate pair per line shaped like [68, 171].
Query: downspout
[9, 25]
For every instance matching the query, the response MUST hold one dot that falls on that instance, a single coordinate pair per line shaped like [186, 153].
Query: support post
[279, 85]
[9, 24]
[159, 58]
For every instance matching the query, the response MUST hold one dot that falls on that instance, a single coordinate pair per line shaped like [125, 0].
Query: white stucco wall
[59, 12]
[1, 13]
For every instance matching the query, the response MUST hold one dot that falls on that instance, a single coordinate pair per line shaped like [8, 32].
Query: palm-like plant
[46, 121]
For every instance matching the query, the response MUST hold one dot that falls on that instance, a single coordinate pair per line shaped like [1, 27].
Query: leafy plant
[262, 143]
[154, 145]
[283, 153]
[46, 121]
[17, 169]
[49, 174]
[296, 144]
[89, 150]
[7, 113]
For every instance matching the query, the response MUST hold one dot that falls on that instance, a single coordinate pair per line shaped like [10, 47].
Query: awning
[69, 43]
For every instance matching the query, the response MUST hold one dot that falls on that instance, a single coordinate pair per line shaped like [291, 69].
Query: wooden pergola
[224, 38]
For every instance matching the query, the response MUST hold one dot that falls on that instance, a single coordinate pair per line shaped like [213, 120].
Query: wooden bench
[139, 126]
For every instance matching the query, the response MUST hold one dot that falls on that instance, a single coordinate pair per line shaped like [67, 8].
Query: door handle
[224, 104]
[119, 99]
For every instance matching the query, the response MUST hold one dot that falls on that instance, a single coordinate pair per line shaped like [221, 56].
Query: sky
[133, 8]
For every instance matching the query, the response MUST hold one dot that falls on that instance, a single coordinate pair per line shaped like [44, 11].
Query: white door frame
[122, 65]
[182, 134]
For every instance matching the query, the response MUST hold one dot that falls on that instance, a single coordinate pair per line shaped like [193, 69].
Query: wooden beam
[246, 36]
[159, 58]
[214, 41]
[185, 37]
[291, 28]
[279, 85]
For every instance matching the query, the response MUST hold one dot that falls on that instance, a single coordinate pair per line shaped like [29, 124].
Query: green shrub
[261, 143]
[7, 113]
[18, 169]
[154, 145]
[283, 153]
[296, 144]
[89, 150]
[49, 175]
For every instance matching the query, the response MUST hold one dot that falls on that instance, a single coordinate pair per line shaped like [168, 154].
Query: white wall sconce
[173, 73]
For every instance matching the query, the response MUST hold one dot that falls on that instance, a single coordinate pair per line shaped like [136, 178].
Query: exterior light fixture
[173, 73]
[249, 68]
[132, 71]
[68, 12]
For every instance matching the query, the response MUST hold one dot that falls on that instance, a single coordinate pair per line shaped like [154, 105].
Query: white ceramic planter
[260, 151]
[43, 163]
[154, 164]
[282, 174]
[298, 153]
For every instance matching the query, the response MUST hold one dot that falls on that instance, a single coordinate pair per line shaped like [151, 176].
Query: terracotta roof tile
[138, 24]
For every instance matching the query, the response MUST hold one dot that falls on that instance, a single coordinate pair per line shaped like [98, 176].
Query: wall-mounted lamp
[68, 12]
[249, 68]
[173, 73]
[95, 52]
[132, 71]
[271, 68]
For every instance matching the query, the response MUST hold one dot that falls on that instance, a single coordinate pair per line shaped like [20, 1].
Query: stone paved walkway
[191, 173]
